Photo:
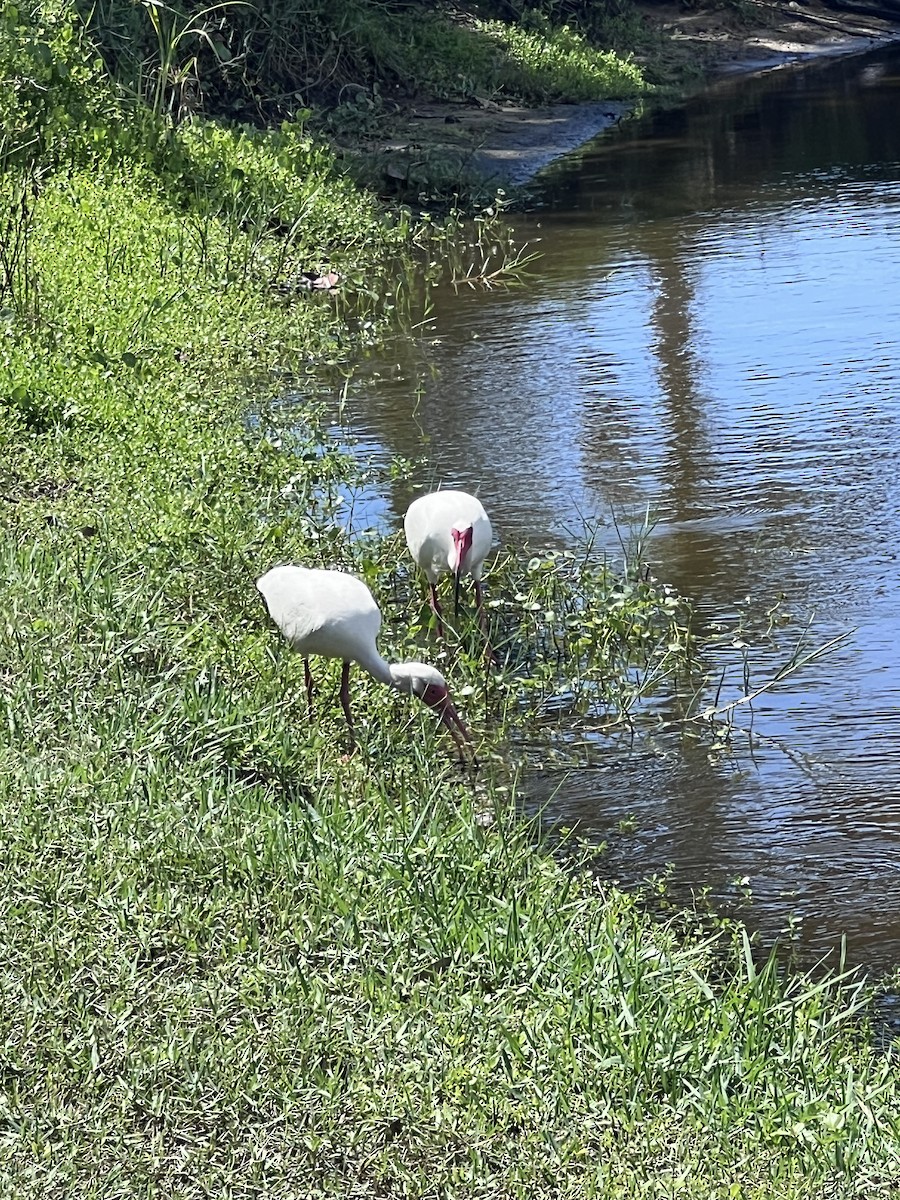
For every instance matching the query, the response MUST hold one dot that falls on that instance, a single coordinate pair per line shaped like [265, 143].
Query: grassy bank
[262, 62]
[234, 963]
[356, 72]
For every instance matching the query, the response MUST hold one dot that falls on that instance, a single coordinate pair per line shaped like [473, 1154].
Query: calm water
[714, 332]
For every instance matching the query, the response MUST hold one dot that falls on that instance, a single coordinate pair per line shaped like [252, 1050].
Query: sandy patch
[505, 142]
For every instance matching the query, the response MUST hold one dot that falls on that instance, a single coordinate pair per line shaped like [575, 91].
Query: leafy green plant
[168, 79]
[55, 102]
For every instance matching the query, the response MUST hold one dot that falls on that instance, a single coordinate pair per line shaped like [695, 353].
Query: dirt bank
[767, 34]
[507, 144]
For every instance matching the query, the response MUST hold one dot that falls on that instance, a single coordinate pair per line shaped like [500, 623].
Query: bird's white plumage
[323, 612]
[429, 523]
[334, 614]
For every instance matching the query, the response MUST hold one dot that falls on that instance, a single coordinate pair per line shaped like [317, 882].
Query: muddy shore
[508, 144]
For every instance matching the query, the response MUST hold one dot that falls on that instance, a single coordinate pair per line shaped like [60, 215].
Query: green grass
[560, 64]
[255, 61]
[461, 58]
[233, 963]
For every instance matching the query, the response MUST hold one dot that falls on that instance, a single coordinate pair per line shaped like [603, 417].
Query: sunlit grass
[231, 956]
[271, 58]
[468, 57]
[560, 64]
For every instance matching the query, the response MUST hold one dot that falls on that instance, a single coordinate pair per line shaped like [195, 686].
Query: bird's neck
[378, 667]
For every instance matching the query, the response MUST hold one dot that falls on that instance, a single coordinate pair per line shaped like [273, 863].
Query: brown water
[714, 332]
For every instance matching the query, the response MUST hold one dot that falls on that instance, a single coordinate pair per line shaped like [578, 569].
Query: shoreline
[507, 145]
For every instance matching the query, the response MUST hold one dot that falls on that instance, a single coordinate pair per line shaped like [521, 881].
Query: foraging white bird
[334, 614]
[449, 531]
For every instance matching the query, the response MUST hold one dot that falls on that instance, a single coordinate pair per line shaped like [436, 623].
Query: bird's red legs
[479, 604]
[463, 740]
[309, 686]
[436, 609]
[345, 701]
[489, 654]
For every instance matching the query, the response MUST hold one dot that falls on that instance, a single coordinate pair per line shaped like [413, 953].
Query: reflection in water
[716, 333]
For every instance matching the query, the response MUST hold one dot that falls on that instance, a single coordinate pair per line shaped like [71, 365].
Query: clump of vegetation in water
[233, 961]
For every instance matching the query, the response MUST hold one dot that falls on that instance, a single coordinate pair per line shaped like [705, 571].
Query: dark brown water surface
[713, 331]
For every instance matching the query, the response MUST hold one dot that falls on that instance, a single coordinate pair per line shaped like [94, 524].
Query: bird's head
[461, 536]
[429, 685]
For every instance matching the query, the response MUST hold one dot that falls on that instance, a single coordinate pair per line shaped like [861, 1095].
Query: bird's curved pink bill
[438, 699]
[462, 543]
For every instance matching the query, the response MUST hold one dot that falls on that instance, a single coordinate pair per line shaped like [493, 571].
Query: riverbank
[237, 963]
[683, 48]
[762, 35]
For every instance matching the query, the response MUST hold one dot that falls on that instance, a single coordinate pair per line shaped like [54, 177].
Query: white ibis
[334, 614]
[449, 531]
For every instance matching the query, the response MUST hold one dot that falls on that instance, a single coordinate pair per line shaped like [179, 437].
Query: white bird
[449, 531]
[334, 614]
